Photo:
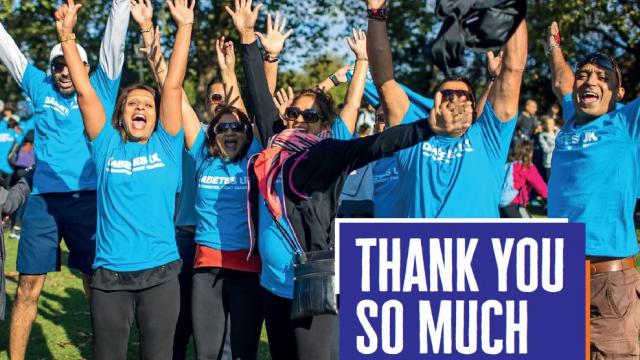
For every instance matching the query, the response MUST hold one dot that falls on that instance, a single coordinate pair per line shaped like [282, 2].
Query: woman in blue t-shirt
[138, 159]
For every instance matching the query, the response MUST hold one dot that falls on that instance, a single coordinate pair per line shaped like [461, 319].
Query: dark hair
[364, 128]
[12, 124]
[9, 107]
[212, 144]
[325, 102]
[523, 151]
[116, 121]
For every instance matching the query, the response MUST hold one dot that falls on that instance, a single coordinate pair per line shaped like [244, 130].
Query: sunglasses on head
[309, 116]
[221, 128]
[602, 60]
[216, 97]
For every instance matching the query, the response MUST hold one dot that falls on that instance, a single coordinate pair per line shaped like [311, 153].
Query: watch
[378, 14]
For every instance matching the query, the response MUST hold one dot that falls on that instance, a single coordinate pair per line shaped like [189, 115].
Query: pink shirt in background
[525, 179]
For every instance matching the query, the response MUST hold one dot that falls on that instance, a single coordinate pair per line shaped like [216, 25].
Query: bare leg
[23, 314]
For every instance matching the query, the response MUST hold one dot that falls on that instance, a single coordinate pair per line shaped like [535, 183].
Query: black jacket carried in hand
[476, 24]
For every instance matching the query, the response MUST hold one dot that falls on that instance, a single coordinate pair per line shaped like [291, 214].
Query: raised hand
[450, 119]
[283, 99]
[358, 43]
[376, 4]
[226, 55]
[273, 40]
[244, 18]
[66, 17]
[154, 49]
[554, 35]
[494, 63]
[142, 12]
[181, 12]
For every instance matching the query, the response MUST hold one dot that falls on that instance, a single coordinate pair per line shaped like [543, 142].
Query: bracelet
[550, 48]
[365, 59]
[146, 29]
[67, 37]
[378, 14]
[270, 59]
[185, 24]
[334, 80]
[492, 77]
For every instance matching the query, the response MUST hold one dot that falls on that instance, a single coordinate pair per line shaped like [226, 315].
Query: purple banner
[447, 290]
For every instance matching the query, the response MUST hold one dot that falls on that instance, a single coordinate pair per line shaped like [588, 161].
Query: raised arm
[273, 42]
[261, 104]
[171, 99]
[93, 114]
[335, 79]
[393, 98]
[115, 34]
[494, 63]
[11, 56]
[227, 62]
[349, 114]
[561, 74]
[505, 94]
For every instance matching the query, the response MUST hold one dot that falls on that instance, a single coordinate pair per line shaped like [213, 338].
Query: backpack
[509, 192]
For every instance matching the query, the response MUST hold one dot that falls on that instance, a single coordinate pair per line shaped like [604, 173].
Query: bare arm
[494, 63]
[93, 114]
[227, 62]
[349, 114]
[171, 99]
[561, 74]
[273, 42]
[505, 94]
[394, 100]
[335, 79]
[115, 34]
[11, 56]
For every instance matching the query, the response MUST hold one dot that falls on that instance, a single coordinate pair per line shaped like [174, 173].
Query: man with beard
[63, 201]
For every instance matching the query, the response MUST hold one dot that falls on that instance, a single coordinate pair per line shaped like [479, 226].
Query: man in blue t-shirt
[458, 175]
[595, 181]
[63, 201]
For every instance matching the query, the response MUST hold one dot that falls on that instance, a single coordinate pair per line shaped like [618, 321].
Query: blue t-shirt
[276, 253]
[460, 177]
[186, 203]
[8, 138]
[595, 179]
[63, 160]
[387, 203]
[137, 186]
[221, 198]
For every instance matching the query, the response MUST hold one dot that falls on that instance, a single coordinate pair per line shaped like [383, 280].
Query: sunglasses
[216, 97]
[59, 64]
[221, 128]
[450, 95]
[602, 60]
[309, 116]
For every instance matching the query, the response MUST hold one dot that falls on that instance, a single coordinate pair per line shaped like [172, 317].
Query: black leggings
[221, 294]
[155, 310]
[308, 338]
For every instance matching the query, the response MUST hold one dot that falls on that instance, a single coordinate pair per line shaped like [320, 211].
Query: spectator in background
[10, 138]
[366, 115]
[25, 110]
[528, 119]
[364, 130]
[521, 177]
[7, 112]
[547, 140]
[554, 111]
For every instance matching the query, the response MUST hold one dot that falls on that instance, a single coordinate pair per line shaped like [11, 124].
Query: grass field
[63, 328]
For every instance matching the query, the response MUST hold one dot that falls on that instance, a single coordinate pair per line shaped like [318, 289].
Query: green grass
[62, 329]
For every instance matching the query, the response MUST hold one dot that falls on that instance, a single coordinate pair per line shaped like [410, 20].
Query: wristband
[334, 79]
[550, 48]
[363, 59]
[67, 37]
[378, 14]
[145, 29]
[270, 59]
[185, 24]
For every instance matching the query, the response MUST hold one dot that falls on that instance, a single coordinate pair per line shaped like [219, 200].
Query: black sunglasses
[450, 94]
[216, 97]
[221, 128]
[309, 116]
[602, 60]
[58, 65]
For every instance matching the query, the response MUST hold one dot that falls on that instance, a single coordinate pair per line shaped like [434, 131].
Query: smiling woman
[136, 117]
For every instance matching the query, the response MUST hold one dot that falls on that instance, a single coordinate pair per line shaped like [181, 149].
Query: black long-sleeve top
[319, 176]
